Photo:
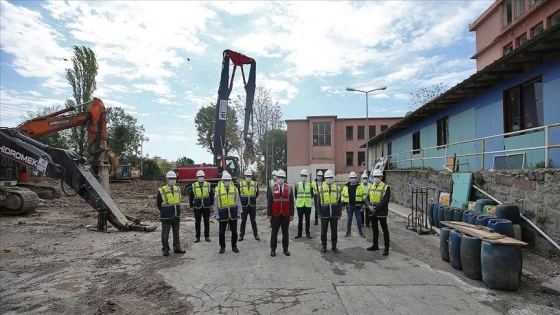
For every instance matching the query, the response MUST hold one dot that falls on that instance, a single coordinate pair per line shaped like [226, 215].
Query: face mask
[171, 182]
[304, 178]
[353, 180]
[364, 180]
[280, 181]
[377, 180]
[319, 178]
[227, 183]
[329, 180]
[248, 179]
[201, 179]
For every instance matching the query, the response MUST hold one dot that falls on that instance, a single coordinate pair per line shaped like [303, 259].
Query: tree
[275, 145]
[184, 161]
[124, 133]
[82, 79]
[205, 125]
[150, 168]
[60, 139]
[425, 95]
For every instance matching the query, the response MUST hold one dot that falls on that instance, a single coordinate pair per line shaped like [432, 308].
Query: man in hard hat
[248, 193]
[272, 181]
[377, 203]
[168, 202]
[303, 203]
[315, 188]
[280, 210]
[366, 184]
[227, 208]
[353, 196]
[330, 210]
[201, 197]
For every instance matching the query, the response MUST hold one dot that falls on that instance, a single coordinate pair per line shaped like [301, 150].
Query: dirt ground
[53, 263]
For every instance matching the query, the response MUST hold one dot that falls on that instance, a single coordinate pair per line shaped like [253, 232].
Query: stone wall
[535, 191]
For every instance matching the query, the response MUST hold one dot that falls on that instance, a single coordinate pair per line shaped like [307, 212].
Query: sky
[161, 60]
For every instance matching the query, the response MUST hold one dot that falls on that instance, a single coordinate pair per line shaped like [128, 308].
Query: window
[361, 132]
[349, 133]
[521, 40]
[554, 19]
[523, 106]
[416, 142]
[506, 13]
[519, 7]
[371, 131]
[443, 131]
[537, 30]
[349, 158]
[389, 149]
[508, 48]
[532, 2]
[361, 158]
[321, 133]
[383, 127]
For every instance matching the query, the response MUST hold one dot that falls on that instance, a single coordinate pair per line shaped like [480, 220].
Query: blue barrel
[510, 212]
[455, 250]
[444, 243]
[501, 266]
[480, 203]
[502, 226]
[436, 219]
[465, 205]
[449, 213]
[441, 212]
[483, 219]
[431, 214]
[472, 217]
[466, 216]
[458, 215]
[470, 257]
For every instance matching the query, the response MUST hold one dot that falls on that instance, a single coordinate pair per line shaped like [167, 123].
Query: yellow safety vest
[376, 193]
[360, 194]
[303, 195]
[170, 202]
[200, 192]
[247, 192]
[329, 200]
[227, 202]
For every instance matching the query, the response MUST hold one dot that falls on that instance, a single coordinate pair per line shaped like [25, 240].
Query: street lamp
[141, 154]
[367, 117]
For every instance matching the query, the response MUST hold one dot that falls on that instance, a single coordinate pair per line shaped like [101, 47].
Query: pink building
[508, 24]
[327, 142]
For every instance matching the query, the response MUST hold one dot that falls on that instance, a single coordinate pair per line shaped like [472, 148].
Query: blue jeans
[351, 211]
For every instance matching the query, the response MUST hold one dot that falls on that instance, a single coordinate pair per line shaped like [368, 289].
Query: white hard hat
[170, 174]
[320, 173]
[352, 175]
[226, 176]
[248, 172]
[377, 172]
[274, 173]
[364, 175]
[329, 174]
[304, 172]
[200, 173]
[281, 173]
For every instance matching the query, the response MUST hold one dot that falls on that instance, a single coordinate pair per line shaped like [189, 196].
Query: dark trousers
[280, 221]
[301, 213]
[325, 226]
[252, 211]
[222, 237]
[383, 223]
[198, 215]
[166, 226]
[365, 217]
[317, 208]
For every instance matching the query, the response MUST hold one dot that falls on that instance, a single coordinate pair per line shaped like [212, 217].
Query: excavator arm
[68, 166]
[224, 92]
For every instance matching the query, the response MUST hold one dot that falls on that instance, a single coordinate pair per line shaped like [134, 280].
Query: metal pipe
[524, 218]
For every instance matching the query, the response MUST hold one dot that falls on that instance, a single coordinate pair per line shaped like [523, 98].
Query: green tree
[124, 133]
[205, 126]
[425, 95]
[150, 168]
[275, 145]
[60, 139]
[82, 79]
[182, 161]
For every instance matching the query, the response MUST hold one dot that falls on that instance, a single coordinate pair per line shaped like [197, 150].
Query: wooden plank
[483, 233]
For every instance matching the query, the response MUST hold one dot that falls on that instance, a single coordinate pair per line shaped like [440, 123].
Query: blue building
[505, 116]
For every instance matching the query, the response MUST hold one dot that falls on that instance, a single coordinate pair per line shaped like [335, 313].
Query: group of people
[366, 201]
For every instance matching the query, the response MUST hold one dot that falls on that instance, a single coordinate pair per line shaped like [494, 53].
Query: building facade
[328, 142]
[508, 24]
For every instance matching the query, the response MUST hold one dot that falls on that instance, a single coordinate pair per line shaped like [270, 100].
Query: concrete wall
[535, 191]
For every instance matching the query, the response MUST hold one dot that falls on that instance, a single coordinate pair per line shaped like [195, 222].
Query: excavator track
[17, 200]
[44, 192]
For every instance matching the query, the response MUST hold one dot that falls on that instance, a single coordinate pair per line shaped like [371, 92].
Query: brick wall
[535, 191]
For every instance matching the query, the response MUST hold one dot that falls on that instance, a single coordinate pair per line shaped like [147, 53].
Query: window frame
[361, 158]
[321, 132]
[416, 143]
[520, 38]
[507, 13]
[508, 48]
[384, 127]
[370, 129]
[520, 106]
[350, 155]
[442, 132]
[363, 133]
[537, 26]
[351, 129]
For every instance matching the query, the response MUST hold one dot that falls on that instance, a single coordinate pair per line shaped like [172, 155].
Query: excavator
[221, 161]
[62, 164]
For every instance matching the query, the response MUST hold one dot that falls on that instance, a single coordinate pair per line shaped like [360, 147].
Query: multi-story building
[509, 24]
[328, 142]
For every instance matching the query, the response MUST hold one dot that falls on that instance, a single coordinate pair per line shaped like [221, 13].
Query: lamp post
[141, 154]
[367, 117]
